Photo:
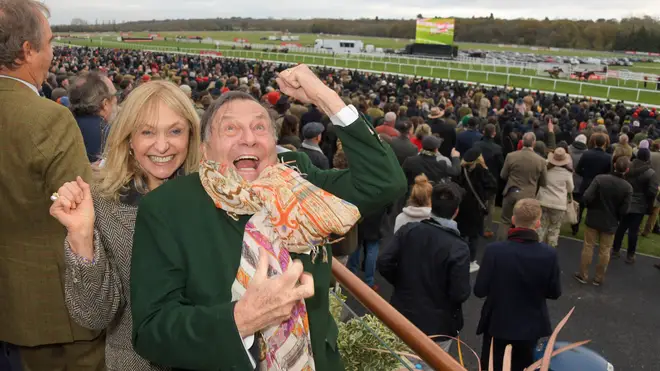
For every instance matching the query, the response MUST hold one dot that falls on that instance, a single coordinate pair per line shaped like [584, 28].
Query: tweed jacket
[526, 170]
[41, 148]
[98, 292]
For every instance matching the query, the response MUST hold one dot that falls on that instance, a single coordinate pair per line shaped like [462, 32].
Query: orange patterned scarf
[289, 214]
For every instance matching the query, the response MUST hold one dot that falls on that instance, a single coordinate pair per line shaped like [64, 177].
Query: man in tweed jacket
[41, 149]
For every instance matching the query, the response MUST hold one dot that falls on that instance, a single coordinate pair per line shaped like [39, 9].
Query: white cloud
[131, 10]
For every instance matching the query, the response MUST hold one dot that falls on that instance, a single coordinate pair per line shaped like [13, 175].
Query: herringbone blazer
[98, 292]
[41, 148]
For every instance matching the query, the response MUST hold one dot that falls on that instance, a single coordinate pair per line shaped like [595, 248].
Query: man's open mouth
[246, 162]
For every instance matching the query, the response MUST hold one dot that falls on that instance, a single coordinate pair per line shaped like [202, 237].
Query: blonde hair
[527, 212]
[420, 195]
[479, 161]
[422, 131]
[139, 109]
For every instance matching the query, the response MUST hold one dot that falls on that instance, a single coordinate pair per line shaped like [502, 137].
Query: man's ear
[455, 213]
[538, 224]
[513, 220]
[203, 149]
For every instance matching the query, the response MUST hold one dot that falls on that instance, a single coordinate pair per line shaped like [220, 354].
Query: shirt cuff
[346, 116]
[247, 343]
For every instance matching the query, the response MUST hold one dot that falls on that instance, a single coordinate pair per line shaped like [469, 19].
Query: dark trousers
[77, 356]
[522, 354]
[631, 223]
[10, 360]
[472, 242]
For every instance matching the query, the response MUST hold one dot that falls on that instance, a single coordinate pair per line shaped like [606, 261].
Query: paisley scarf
[289, 214]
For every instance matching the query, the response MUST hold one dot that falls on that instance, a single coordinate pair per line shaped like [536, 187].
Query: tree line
[639, 34]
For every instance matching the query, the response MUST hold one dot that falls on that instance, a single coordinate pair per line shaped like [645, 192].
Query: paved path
[621, 317]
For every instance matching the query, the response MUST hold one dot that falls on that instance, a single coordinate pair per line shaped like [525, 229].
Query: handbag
[481, 204]
[572, 211]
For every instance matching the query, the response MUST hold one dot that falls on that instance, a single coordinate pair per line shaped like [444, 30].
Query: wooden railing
[421, 344]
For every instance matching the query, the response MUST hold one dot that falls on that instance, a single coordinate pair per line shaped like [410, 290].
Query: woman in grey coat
[155, 137]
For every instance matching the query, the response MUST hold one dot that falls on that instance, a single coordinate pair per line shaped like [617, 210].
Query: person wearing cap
[311, 144]
[479, 184]
[426, 162]
[554, 194]
[644, 182]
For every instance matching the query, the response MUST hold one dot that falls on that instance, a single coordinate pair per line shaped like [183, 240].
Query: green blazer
[42, 148]
[186, 254]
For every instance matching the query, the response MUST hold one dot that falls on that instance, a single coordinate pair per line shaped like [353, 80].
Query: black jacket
[492, 154]
[435, 170]
[645, 186]
[429, 266]
[470, 216]
[403, 148]
[318, 158]
[592, 163]
[607, 200]
[445, 131]
[516, 278]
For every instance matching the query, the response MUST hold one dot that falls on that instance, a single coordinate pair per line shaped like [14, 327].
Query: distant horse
[584, 75]
[554, 72]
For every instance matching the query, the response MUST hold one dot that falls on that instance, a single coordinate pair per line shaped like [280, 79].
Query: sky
[62, 11]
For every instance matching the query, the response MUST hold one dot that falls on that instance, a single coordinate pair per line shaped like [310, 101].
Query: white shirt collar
[34, 88]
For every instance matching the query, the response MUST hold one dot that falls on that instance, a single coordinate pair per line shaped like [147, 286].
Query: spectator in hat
[553, 195]
[479, 185]
[401, 145]
[311, 144]
[388, 125]
[426, 163]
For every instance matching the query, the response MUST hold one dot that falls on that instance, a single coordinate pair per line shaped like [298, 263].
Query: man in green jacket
[213, 285]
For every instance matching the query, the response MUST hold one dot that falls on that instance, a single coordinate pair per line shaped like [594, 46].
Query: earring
[130, 152]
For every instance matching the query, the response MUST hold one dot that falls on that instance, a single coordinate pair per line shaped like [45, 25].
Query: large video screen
[435, 31]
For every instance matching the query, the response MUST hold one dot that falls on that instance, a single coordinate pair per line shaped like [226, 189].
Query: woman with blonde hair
[419, 203]
[420, 132]
[155, 137]
[479, 185]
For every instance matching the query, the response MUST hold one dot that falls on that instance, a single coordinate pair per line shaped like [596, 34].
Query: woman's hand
[74, 209]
